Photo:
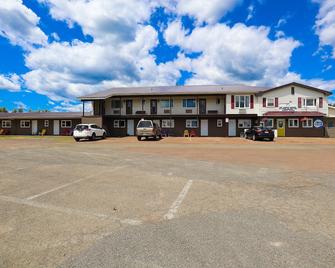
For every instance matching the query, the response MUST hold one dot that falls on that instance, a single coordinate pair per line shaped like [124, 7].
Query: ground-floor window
[168, 123]
[268, 123]
[219, 123]
[244, 123]
[6, 124]
[119, 123]
[66, 123]
[331, 124]
[192, 123]
[25, 124]
[293, 123]
[307, 123]
[46, 123]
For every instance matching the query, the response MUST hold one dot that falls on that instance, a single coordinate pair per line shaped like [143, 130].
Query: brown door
[202, 106]
[153, 106]
[129, 106]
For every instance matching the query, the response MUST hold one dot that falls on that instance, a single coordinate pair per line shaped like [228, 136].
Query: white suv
[88, 131]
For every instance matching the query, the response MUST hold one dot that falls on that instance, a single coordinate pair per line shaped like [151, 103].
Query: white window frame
[310, 98]
[266, 124]
[23, 124]
[308, 125]
[219, 123]
[186, 106]
[272, 102]
[116, 123]
[189, 123]
[244, 123]
[293, 120]
[46, 123]
[167, 123]
[246, 104]
[64, 124]
[168, 101]
[4, 124]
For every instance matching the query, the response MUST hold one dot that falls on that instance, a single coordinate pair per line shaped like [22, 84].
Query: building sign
[318, 123]
[287, 108]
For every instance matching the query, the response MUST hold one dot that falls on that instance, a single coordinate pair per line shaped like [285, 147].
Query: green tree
[3, 110]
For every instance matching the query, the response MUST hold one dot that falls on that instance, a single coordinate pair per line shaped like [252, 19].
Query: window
[268, 123]
[191, 123]
[66, 123]
[244, 123]
[25, 124]
[219, 123]
[116, 104]
[168, 123]
[242, 102]
[293, 123]
[270, 102]
[6, 124]
[119, 123]
[189, 103]
[46, 123]
[307, 123]
[166, 103]
[292, 91]
[309, 102]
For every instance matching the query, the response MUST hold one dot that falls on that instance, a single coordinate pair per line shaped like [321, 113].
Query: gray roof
[41, 115]
[173, 90]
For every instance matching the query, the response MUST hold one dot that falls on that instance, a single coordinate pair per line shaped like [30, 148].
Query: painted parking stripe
[70, 183]
[176, 204]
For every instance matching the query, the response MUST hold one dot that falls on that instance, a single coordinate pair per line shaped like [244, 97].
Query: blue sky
[52, 51]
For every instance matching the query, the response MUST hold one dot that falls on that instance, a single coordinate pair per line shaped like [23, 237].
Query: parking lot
[178, 202]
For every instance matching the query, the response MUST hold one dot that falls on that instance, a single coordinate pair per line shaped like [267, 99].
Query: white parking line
[70, 183]
[176, 204]
[69, 211]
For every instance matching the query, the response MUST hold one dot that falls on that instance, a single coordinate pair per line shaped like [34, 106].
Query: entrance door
[129, 106]
[281, 127]
[130, 127]
[56, 127]
[204, 127]
[232, 128]
[34, 128]
[202, 106]
[153, 106]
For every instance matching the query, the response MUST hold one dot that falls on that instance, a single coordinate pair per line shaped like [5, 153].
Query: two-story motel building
[221, 111]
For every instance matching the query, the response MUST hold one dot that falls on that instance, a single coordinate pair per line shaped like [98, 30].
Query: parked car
[259, 133]
[88, 131]
[148, 129]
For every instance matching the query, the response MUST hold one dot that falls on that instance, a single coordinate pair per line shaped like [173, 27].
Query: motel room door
[232, 128]
[34, 128]
[56, 127]
[204, 127]
[130, 127]
[281, 127]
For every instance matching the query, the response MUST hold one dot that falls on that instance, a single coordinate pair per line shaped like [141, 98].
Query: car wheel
[104, 136]
[139, 138]
[93, 137]
[254, 137]
[76, 139]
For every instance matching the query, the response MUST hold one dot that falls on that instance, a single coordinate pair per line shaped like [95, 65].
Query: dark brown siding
[303, 132]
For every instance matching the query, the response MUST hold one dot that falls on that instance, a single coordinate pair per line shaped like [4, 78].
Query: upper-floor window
[292, 90]
[166, 103]
[270, 102]
[309, 102]
[242, 101]
[116, 104]
[189, 103]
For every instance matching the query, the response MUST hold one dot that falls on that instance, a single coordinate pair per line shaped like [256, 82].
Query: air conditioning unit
[116, 111]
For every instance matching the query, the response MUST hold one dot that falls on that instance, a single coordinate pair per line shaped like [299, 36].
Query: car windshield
[142, 124]
[81, 127]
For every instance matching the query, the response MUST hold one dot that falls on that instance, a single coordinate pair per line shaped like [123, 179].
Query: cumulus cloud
[325, 23]
[19, 24]
[233, 54]
[10, 82]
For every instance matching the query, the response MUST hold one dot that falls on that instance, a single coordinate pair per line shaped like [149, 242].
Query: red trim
[276, 102]
[299, 103]
[232, 102]
[251, 101]
[264, 102]
[320, 102]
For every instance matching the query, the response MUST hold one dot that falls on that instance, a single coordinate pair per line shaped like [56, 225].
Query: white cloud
[68, 106]
[206, 11]
[325, 23]
[10, 82]
[20, 104]
[19, 24]
[237, 54]
[251, 12]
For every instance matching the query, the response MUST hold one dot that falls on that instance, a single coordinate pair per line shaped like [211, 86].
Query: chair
[43, 132]
[193, 133]
[186, 133]
[2, 132]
